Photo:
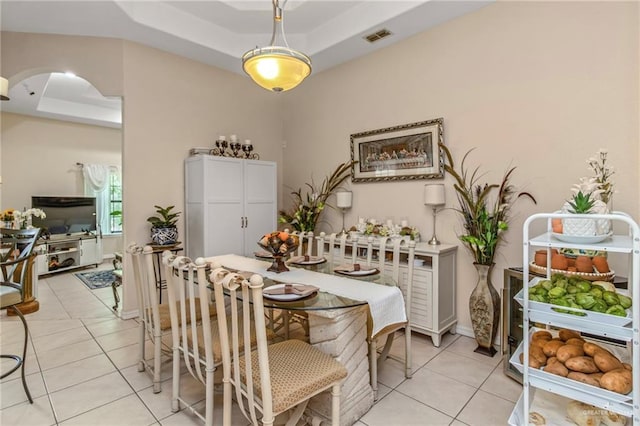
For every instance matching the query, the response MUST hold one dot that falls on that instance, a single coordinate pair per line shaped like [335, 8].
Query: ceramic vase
[484, 308]
[165, 235]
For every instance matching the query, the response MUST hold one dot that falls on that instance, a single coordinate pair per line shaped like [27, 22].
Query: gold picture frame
[406, 152]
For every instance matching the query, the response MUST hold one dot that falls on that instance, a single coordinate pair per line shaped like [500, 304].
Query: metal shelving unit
[607, 326]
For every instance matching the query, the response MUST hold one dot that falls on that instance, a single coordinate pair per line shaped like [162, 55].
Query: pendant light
[274, 67]
[4, 89]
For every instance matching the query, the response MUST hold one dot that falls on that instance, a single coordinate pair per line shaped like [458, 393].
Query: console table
[433, 301]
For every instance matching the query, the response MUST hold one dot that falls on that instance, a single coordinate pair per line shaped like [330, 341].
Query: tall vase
[484, 307]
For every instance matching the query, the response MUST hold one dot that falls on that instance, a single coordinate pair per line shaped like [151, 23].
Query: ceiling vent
[371, 38]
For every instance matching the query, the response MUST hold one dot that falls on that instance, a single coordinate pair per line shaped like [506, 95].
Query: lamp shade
[4, 89]
[276, 68]
[434, 194]
[344, 199]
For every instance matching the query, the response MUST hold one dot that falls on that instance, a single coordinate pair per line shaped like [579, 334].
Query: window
[115, 203]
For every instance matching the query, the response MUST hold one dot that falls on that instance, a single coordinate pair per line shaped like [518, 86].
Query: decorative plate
[350, 271]
[263, 254]
[289, 292]
[542, 270]
[307, 260]
[578, 239]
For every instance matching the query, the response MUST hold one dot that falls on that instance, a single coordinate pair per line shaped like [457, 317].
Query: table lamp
[343, 201]
[434, 197]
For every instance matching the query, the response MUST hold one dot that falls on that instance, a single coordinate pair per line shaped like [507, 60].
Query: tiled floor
[81, 367]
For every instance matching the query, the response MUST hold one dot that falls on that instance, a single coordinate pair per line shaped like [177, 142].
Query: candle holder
[434, 197]
[234, 148]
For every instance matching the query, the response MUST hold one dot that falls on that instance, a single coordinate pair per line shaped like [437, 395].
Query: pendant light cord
[278, 16]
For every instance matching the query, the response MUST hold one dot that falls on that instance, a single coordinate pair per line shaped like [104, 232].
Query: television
[65, 215]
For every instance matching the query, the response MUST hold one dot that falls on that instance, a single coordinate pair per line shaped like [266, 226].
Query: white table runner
[386, 303]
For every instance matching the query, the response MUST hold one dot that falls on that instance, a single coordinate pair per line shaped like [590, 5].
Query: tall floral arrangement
[603, 173]
[484, 220]
[308, 207]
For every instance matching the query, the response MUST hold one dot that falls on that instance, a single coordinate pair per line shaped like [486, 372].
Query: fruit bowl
[279, 244]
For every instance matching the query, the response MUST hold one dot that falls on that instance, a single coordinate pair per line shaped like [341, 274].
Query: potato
[583, 378]
[583, 364]
[568, 351]
[538, 342]
[606, 362]
[627, 366]
[556, 368]
[533, 362]
[541, 334]
[619, 380]
[596, 376]
[591, 348]
[551, 347]
[538, 354]
[566, 334]
[577, 341]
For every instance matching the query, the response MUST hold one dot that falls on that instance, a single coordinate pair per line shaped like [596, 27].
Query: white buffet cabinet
[433, 297]
[63, 253]
[230, 204]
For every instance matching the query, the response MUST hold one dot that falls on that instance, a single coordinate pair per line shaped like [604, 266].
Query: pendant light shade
[4, 89]
[276, 68]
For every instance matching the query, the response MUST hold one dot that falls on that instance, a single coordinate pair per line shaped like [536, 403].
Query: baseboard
[468, 332]
[125, 315]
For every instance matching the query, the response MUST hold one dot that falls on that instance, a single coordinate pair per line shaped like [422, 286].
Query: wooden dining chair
[272, 379]
[306, 243]
[195, 343]
[155, 318]
[394, 270]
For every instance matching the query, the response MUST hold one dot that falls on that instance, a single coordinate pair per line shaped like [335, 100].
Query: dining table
[342, 314]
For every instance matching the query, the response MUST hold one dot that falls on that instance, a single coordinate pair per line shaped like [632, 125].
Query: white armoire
[230, 204]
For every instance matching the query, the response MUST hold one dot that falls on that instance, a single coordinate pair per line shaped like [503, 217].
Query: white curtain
[96, 184]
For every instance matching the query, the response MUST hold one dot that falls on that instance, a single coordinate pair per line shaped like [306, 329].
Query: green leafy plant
[305, 213]
[581, 203]
[165, 218]
[484, 220]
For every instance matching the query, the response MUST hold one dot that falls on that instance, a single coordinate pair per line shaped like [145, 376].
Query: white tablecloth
[386, 303]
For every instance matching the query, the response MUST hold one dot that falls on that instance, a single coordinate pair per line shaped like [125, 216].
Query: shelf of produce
[603, 398]
[625, 328]
[550, 406]
[612, 326]
[614, 244]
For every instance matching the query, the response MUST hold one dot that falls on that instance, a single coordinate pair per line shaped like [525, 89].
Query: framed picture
[406, 152]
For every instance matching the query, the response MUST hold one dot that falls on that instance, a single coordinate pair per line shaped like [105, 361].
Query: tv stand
[66, 252]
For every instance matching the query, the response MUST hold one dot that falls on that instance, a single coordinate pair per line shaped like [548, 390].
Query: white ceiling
[219, 32]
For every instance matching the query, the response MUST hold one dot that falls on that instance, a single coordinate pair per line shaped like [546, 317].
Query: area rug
[96, 279]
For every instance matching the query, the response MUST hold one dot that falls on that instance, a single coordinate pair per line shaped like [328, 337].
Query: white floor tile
[398, 409]
[12, 392]
[67, 354]
[86, 396]
[465, 346]
[460, 368]
[38, 414]
[485, 409]
[61, 339]
[437, 391]
[501, 385]
[127, 411]
[77, 372]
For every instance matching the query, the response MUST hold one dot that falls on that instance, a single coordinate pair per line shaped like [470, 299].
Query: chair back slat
[245, 298]
[144, 278]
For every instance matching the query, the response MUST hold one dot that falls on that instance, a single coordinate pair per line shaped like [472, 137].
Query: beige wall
[541, 86]
[171, 104]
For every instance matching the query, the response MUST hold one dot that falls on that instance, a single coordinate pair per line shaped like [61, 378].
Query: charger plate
[542, 270]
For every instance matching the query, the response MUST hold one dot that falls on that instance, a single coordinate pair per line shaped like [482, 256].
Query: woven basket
[609, 276]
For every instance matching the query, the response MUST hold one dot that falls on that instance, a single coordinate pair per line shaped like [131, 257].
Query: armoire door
[260, 202]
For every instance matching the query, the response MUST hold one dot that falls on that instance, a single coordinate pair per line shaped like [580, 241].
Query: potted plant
[586, 199]
[307, 208]
[163, 226]
[484, 221]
